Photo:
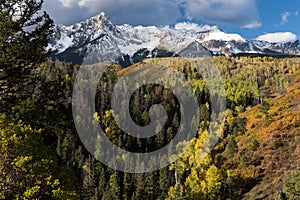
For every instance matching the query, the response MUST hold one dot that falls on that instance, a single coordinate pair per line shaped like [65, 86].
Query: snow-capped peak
[101, 17]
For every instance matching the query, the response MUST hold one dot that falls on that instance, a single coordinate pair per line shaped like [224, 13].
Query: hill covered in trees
[254, 158]
[256, 155]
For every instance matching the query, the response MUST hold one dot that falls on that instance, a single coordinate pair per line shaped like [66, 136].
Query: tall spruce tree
[24, 31]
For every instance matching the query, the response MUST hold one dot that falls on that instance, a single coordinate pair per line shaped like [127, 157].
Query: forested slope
[42, 156]
[257, 151]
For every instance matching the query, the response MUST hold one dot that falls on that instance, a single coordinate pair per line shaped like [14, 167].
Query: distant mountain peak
[100, 22]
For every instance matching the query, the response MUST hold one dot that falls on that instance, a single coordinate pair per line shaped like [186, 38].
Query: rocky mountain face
[98, 39]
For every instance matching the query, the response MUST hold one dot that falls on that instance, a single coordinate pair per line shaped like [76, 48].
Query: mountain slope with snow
[98, 39]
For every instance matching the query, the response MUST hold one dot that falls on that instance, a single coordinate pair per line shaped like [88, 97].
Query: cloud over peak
[242, 13]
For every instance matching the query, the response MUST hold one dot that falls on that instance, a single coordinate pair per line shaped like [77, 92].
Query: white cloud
[241, 13]
[135, 12]
[284, 17]
[254, 24]
[67, 3]
[280, 37]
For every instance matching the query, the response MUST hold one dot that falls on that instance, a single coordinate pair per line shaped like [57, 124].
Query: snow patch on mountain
[188, 26]
[222, 36]
[63, 43]
[139, 38]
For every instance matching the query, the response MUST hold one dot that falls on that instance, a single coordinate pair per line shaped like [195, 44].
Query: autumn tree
[292, 187]
[28, 168]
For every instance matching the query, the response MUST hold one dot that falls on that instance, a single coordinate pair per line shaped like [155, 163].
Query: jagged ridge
[98, 39]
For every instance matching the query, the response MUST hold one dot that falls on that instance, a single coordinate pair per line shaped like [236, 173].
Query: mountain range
[98, 39]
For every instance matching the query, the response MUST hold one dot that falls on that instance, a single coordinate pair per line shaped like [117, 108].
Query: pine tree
[164, 181]
[232, 147]
[23, 38]
[113, 191]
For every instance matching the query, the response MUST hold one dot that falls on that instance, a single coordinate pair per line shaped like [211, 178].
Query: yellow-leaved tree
[28, 168]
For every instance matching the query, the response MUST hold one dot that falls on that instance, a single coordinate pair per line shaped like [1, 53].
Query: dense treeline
[42, 156]
[226, 173]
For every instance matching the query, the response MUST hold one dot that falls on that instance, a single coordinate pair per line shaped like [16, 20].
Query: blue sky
[271, 14]
[249, 18]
